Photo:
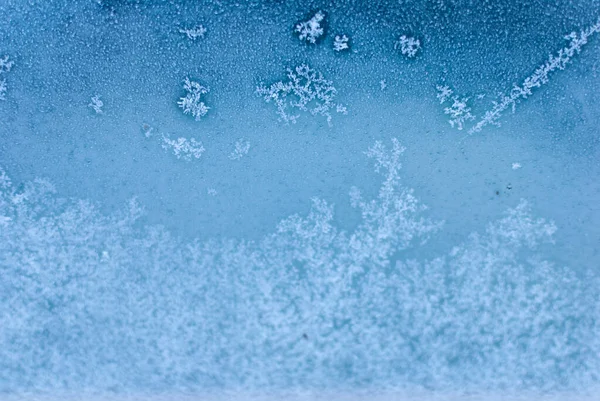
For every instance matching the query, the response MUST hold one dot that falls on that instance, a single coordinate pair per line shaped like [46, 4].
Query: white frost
[192, 102]
[311, 30]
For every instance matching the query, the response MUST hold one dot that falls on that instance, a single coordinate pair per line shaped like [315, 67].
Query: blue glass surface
[311, 199]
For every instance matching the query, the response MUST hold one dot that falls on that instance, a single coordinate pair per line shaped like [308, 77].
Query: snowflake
[409, 46]
[192, 102]
[308, 90]
[241, 148]
[311, 30]
[194, 33]
[182, 148]
[341, 43]
[96, 104]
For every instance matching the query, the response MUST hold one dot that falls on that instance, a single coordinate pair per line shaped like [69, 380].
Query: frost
[516, 166]
[241, 149]
[382, 84]
[193, 33]
[5, 64]
[458, 110]
[444, 93]
[340, 43]
[306, 90]
[96, 104]
[147, 130]
[408, 46]
[480, 315]
[557, 61]
[311, 30]
[3, 89]
[105, 301]
[192, 102]
[5, 182]
[183, 148]
[341, 109]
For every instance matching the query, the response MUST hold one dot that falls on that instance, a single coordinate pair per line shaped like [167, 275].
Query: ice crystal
[458, 110]
[241, 149]
[557, 61]
[516, 166]
[194, 33]
[147, 130]
[192, 102]
[311, 30]
[183, 148]
[3, 89]
[408, 46]
[341, 43]
[96, 104]
[5, 181]
[5, 64]
[306, 90]
[444, 93]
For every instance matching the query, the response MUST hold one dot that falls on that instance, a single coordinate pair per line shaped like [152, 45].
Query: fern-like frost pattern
[103, 301]
[305, 90]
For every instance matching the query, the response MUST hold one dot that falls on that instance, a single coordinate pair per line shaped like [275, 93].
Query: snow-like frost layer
[89, 301]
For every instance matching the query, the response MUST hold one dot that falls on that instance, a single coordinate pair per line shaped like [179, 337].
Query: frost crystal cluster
[241, 149]
[96, 104]
[193, 33]
[408, 46]
[311, 30]
[192, 102]
[306, 90]
[5, 66]
[341, 43]
[458, 110]
[539, 77]
[183, 148]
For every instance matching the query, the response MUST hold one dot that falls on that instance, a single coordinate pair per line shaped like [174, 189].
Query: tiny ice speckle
[516, 166]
